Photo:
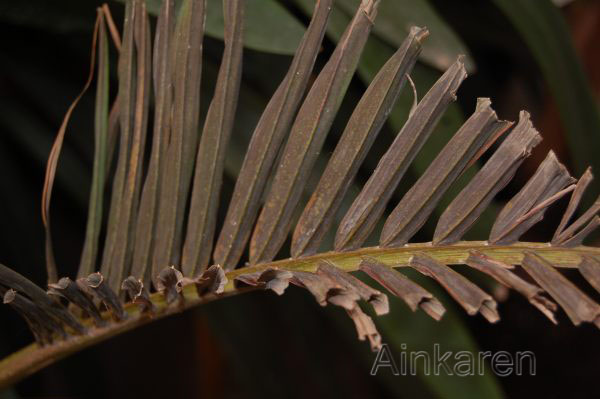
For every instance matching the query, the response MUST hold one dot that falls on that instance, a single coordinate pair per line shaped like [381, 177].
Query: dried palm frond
[162, 219]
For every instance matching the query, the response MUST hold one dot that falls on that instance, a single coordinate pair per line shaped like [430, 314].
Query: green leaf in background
[546, 33]
[269, 26]
[393, 22]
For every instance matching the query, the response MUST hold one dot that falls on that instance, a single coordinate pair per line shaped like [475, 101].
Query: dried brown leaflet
[361, 130]
[13, 280]
[87, 264]
[472, 298]
[126, 70]
[70, 290]
[590, 270]
[420, 201]
[378, 300]
[44, 328]
[370, 204]
[578, 230]
[501, 273]
[210, 159]
[578, 306]
[179, 162]
[308, 133]
[468, 205]
[524, 210]
[96, 286]
[163, 97]
[123, 249]
[410, 292]
[169, 282]
[268, 135]
[270, 279]
[138, 293]
[53, 162]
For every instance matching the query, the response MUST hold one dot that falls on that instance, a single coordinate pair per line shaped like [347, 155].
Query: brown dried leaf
[370, 204]
[501, 273]
[307, 136]
[126, 71]
[317, 285]
[273, 279]
[472, 298]
[377, 299]
[69, 290]
[420, 201]
[468, 205]
[120, 260]
[212, 281]
[582, 185]
[410, 292]
[42, 325]
[11, 279]
[578, 306]
[95, 285]
[210, 159]
[516, 217]
[365, 327]
[138, 293]
[179, 159]
[590, 270]
[361, 130]
[271, 130]
[53, 162]
[163, 96]
[170, 283]
[578, 238]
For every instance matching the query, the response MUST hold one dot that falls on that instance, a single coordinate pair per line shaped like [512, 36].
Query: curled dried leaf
[377, 299]
[410, 292]
[578, 306]
[211, 281]
[68, 289]
[42, 325]
[11, 279]
[273, 279]
[317, 285]
[472, 298]
[501, 273]
[365, 327]
[96, 285]
[138, 293]
[170, 283]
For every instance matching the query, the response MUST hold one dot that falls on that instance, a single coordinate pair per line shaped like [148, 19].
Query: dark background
[259, 344]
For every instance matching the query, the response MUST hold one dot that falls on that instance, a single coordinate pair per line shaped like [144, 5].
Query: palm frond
[162, 217]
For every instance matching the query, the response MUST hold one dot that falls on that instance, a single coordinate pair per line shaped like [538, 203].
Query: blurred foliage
[261, 345]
